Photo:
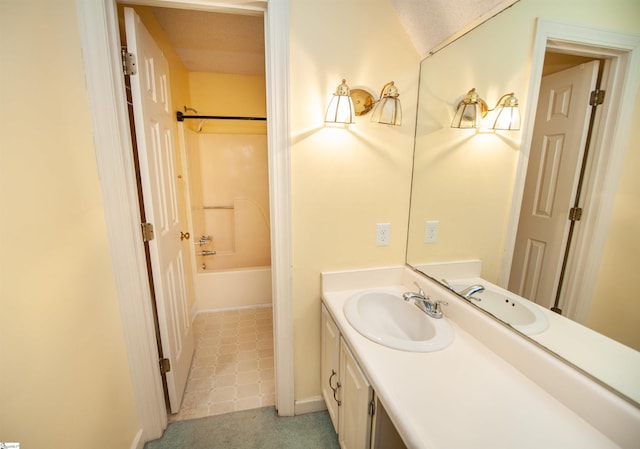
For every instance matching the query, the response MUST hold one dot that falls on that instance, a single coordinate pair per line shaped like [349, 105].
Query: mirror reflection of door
[554, 176]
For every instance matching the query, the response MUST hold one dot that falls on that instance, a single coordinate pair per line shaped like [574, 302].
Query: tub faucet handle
[203, 240]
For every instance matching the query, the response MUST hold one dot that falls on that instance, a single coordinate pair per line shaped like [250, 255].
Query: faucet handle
[437, 307]
[420, 290]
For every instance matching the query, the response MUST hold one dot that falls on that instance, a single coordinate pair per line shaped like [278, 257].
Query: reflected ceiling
[432, 22]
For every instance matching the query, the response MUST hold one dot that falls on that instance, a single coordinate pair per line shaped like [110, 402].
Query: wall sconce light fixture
[472, 109]
[386, 110]
[340, 108]
[506, 114]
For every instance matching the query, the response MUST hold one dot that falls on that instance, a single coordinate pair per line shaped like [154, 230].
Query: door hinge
[372, 407]
[129, 66]
[147, 232]
[165, 366]
[597, 97]
[575, 213]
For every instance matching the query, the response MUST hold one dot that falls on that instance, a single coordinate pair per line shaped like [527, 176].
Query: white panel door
[155, 141]
[559, 136]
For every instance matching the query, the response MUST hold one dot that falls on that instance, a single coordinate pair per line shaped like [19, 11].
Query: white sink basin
[384, 317]
[518, 312]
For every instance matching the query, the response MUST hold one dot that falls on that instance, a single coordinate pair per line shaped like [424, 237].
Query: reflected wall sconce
[473, 109]
[346, 103]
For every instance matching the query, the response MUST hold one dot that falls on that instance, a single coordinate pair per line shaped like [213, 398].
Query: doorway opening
[99, 35]
[215, 62]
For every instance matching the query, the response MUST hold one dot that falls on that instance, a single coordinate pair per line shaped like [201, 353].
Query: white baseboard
[310, 405]
[138, 441]
[227, 309]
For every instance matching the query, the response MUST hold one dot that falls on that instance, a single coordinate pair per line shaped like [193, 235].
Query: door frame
[622, 72]
[100, 42]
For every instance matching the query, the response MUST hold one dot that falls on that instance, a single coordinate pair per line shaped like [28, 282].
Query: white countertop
[464, 396]
[608, 360]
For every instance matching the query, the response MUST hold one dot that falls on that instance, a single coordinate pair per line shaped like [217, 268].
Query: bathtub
[233, 289]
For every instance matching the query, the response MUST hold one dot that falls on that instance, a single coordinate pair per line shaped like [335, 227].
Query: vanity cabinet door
[330, 363]
[354, 429]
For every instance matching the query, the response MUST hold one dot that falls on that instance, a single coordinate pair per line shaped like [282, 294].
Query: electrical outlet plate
[383, 234]
[431, 231]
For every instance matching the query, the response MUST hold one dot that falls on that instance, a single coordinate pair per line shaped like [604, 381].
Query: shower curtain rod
[181, 117]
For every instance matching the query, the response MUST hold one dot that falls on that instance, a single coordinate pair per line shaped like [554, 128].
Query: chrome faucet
[467, 292]
[424, 303]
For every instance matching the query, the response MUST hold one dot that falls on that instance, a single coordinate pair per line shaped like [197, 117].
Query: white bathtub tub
[233, 289]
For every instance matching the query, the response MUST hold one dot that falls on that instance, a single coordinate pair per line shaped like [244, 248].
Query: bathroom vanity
[487, 388]
[356, 413]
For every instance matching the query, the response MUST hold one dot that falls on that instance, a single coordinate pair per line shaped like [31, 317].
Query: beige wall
[226, 94]
[64, 380]
[496, 58]
[345, 179]
[615, 310]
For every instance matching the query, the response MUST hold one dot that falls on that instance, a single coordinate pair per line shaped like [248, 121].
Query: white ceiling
[228, 43]
[215, 42]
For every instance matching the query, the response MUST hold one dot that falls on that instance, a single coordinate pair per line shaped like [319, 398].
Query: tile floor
[232, 366]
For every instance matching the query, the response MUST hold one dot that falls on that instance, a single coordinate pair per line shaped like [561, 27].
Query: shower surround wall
[229, 192]
[235, 199]
[235, 213]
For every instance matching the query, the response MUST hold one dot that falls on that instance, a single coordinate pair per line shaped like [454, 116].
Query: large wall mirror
[481, 187]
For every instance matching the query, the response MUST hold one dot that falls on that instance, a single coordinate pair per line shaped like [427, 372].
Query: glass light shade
[507, 114]
[470, 111]
[340, 108]
[467, 116]
[388, 110]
